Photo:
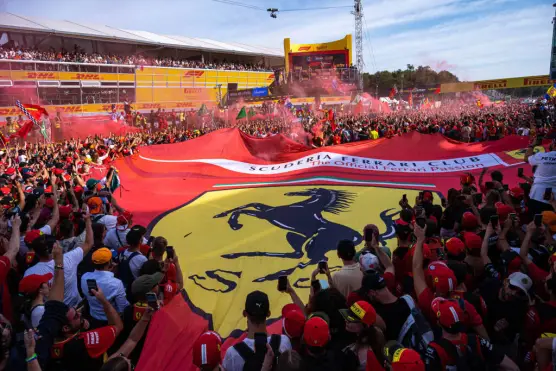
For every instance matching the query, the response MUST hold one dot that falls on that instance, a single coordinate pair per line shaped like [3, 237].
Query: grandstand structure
[93, 88]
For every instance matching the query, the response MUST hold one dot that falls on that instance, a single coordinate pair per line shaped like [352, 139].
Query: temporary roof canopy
[9, 21]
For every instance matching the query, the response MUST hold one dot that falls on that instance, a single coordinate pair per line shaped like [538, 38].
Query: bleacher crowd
[78, 55]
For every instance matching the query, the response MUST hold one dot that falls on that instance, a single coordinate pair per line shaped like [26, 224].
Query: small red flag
[24, 130]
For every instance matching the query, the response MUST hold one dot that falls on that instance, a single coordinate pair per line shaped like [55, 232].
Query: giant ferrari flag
[240, 212]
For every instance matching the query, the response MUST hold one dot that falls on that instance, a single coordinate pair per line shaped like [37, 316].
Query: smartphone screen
[421, 194]
[489, 185]
[92, 285]
[322, 265]
[282, 283]
[152, 300]
[404, 198]
[547, 194]
[478, 198]
[506, 188]
[520, 172]
[494, 220]
[170, 252]
[538, 220]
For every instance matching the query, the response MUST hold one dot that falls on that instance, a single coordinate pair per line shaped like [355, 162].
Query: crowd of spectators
[469, 285]
[78, 55]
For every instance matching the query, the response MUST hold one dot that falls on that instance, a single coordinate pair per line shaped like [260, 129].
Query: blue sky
[476, 39]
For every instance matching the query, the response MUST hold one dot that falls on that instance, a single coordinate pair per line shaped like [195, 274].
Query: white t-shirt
[545, 175]
[109, 221]
[36, 315]
[136, 263]
[71, 261]
[234, 362]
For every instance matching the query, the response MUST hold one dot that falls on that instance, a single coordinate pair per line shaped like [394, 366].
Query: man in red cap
[293, 321]
[116, 237]
[316, 336]
[206, 351]
[398, 358]
[455, 349]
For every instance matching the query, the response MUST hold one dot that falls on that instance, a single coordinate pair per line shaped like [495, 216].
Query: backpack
[471, 360]
[416, 332]
[254, 361]
[124, 269]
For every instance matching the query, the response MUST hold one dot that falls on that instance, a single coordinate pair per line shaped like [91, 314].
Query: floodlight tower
[359, 63]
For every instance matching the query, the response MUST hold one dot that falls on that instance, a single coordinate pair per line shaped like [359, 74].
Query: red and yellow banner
[508, 83]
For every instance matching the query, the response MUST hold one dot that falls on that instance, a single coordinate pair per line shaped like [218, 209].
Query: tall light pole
[553, 48]
[360, 64]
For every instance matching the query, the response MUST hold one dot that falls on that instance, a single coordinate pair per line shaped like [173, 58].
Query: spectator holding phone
[112, 287]
[545, 177]
[42, 246]
[348, 278]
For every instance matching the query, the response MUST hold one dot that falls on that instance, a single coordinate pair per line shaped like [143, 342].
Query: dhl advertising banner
[325, 55]
[64, 76]
[515, 82]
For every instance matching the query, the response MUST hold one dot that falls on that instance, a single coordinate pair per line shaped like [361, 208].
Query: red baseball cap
[455, 246]
[58, 171]
[467, 179]
[206, 350]
[10, 171]
[360, 311]
[447, 312]
[402, 359]
[469, 220]
[444, 281]
[49, 203]
[65, 211]
[124, 218]
[293, 321]
[32, 283]
[316, 332]
[517, 192]
[31, 236]
[503, 210]
[472, 240]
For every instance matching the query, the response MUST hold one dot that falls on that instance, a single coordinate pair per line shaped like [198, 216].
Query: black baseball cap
[257, 304]
[372, 280]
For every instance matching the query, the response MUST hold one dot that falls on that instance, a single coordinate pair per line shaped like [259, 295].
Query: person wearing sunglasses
[119, 361]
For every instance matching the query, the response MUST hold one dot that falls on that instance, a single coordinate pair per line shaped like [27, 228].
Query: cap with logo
[402, 359]
[257, 304]
[293, 320]
[448, 312]
[521, 281]
[368, 261]
[316, 332]
[360, 311]
[372, 280]
[206, 350]
[443, 279]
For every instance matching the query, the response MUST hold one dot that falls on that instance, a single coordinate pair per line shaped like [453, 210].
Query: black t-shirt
[394, 315]
[325, 362]
[436, 356]
[513, 311]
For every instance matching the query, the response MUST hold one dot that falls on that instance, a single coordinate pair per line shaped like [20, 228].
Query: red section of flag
[35, 111]
[393, 92]
[437, 91]
[24, 130]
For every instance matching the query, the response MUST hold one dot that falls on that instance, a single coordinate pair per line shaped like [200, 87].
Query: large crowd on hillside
[469, 285]
[78, 55]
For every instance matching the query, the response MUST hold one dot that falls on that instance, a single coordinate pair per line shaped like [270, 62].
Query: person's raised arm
[382, 257]
[530, 152]
[526, 244]
[57, 289]
[13, 245]
[116, 205]
[295, 298]
[20, 194]
[484, 247]
[111, 313]
[135, 336]
[179, 274]
[53, 222]
[89, 236]
[419, 282]
[481, 176]
[502, 242]
[32, 360]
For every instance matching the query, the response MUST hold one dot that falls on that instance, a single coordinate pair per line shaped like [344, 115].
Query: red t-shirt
[5, 266]
[96, 342]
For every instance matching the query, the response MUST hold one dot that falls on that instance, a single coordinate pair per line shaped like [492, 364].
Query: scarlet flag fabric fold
[24, 130]
[35, 110]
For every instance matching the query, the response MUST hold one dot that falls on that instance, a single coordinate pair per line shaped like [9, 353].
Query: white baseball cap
[521, 281]
[368, 261]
